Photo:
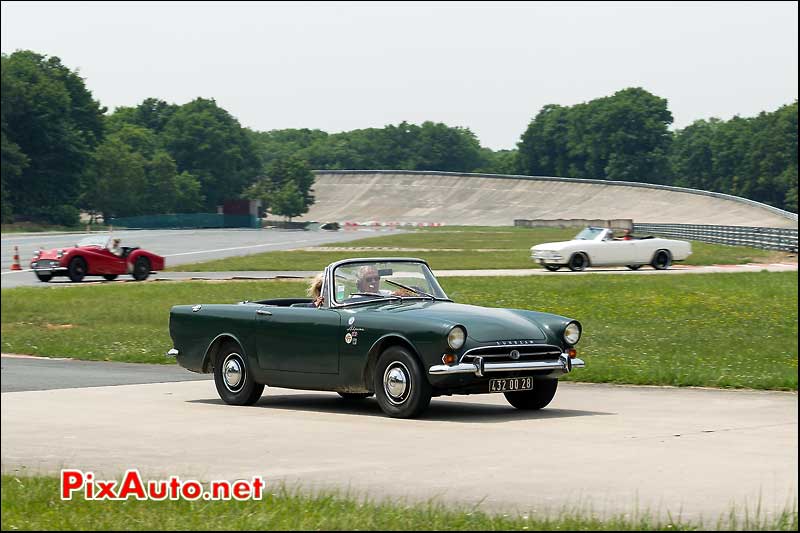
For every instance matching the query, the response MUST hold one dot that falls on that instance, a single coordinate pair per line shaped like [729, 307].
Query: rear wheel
[542, 394]
[44, 277]
[552, 268]
[578, 262]
[662, 260]
[233, 377]
[77, 269]
[355, 395]
[110, 277]
[401, 388]
[141, 269]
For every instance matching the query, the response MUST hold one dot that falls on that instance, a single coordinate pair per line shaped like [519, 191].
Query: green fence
[188, 220]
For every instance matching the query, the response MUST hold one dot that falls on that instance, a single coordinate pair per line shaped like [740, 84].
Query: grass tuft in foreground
[34, 504]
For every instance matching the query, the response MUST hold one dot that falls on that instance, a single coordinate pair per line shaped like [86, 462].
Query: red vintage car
[95, 256]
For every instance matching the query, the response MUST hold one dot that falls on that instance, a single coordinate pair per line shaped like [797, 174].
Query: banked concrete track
[495, 200]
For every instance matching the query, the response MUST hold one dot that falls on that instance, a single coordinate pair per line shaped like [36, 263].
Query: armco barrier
[187, 220]
[784, 239]
[617, 223]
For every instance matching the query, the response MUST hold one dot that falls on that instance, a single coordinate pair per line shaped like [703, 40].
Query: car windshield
[589, 234]
[362, 281]
[94, 240]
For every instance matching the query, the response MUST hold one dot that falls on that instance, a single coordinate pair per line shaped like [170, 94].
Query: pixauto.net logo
[83, 484]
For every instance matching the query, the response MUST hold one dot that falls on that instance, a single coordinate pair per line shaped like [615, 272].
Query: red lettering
[221, 490]
[191, 490]
[132, 485]
[157, 490]
[174, 486]
[71, 480]
[258, 486]
[106, 490]
[241, 490]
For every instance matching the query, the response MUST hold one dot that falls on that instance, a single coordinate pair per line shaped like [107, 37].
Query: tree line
[63, 152]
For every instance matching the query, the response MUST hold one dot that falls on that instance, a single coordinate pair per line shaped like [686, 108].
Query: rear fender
[156, 261]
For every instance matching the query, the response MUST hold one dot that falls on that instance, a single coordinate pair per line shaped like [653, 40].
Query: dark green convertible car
[383, 327]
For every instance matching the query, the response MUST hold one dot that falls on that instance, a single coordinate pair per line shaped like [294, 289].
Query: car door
[298, 339]
[104, 262]
[611, 252]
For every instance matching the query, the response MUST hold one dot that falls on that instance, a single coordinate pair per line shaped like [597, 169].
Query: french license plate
[510, 384]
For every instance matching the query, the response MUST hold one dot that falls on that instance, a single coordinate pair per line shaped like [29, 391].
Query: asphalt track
[178, 246]
[692, 452]
[301, 274]
[26, 373]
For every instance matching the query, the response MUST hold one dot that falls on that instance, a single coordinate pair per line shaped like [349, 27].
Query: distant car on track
[598, 247]
[93, 256]
[386, 328]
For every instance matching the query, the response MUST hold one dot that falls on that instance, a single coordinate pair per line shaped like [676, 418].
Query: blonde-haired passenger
[315, 290]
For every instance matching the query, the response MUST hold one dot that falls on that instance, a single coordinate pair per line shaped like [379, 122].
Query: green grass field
[33, 503]
[716, 330]
[457, 247]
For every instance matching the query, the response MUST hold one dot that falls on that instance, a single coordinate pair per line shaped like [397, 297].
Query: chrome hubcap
[233, 372]
[397, 382]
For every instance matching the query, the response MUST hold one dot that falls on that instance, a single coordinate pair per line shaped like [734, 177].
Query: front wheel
[44, 278]
[401, 388]
[141, 269]
[77, 269]
[530, 400]
[578, 262]
[552, 268]
[662, 260]
[234, 379]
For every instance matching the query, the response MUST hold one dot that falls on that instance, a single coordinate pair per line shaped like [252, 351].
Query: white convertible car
[598, 247]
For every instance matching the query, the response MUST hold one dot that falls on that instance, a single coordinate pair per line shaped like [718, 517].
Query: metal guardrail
[187, 220]
[784, 239]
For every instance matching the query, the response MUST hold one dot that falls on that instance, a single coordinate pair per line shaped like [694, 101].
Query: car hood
[556, 246]
[53, 253]
[483, 324]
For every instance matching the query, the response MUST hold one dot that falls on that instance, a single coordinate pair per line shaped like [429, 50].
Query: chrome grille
[502, 354]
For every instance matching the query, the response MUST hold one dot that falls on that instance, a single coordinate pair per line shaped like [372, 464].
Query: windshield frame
[328, 290]
[97, 238]
[598, 233]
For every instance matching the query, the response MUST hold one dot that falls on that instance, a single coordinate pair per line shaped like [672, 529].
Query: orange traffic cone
[15, 265]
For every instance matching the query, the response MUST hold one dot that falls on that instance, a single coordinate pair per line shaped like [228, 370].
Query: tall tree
[208, 142]
[620, 137]
[53, 119]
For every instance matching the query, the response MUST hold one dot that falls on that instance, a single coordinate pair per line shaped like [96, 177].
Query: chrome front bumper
[49, 269]
[479, 366]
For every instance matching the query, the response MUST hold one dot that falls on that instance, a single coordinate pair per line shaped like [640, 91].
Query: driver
[368, 279]
[115, 248]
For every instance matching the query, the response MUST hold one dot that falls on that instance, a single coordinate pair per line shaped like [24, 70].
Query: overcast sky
[488, 67]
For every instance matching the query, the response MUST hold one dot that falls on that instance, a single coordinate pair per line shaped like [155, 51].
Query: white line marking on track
[234, 248]
[17, 271]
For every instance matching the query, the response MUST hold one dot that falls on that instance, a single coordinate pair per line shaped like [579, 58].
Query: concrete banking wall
[496, 200]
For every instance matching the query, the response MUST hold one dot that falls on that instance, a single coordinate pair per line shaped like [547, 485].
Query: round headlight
[456, 337]
[572, 334]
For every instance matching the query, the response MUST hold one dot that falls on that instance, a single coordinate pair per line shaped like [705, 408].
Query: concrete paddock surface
[692, 452]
